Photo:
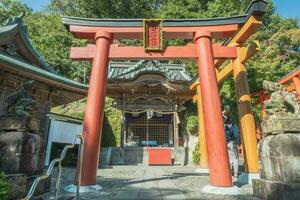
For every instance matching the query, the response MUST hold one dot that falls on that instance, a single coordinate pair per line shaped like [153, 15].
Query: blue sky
[287, 8]
[36, 4]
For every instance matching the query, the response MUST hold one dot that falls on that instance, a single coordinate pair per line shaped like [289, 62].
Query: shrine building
[150, 95]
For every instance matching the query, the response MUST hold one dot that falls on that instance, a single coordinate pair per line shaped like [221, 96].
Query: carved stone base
[19, 123]
[279, 160]
[83, 189]
[273, 126]
[21, 152]
[275, 190]
[221, 190]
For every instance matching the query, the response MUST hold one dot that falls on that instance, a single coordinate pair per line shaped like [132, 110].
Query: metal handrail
[51, 166]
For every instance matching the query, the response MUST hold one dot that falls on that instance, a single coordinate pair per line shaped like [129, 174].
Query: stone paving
[147, 182]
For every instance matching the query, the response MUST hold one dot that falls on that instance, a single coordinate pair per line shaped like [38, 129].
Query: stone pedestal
[279, 157]
[22, 147]
[21, 152]
[19, 123]
[280, 125]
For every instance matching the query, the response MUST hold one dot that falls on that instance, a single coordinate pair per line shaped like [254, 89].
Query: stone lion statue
[19, 102]
[283, 110]
[281, 102]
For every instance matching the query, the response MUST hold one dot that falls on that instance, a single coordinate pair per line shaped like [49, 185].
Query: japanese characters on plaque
[153, 38]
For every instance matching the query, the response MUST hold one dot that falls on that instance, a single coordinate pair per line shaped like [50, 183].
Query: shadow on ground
[144, 182]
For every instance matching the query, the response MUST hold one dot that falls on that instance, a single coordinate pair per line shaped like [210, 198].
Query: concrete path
[147, 182]
[154, 184]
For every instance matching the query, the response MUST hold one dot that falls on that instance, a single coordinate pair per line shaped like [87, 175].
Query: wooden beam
[248, 29]
[225, 73]
[290, 77]
[246, 53]
[291, 87]
[194, 84]
[221, 76]
[218, 31]
[136, 53]
[249, 51]
[251, 25]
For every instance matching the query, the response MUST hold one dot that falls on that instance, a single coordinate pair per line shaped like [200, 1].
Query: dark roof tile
[132, 70]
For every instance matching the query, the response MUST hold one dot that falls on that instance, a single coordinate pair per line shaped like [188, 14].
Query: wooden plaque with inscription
[153, 38]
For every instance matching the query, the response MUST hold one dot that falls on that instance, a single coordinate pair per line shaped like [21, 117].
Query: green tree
[10, 8]
[174, 9]
[192, 124]
[279, 40]
[224, 8]
[106, 8]
[54, 42]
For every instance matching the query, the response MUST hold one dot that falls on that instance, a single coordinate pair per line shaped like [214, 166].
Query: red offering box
[159, 156]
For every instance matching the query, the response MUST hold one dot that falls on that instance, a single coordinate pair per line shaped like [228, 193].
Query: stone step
[177, 163]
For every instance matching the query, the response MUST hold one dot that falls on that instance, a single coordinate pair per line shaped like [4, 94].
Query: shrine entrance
[141, 130]
[201, 34]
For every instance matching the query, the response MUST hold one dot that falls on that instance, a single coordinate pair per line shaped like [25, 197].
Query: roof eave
[67, 21]
[13, 27]
[53, 79]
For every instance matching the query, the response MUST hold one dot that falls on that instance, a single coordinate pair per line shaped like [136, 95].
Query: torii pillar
[218, 162]
[247, 123]
[93, 117]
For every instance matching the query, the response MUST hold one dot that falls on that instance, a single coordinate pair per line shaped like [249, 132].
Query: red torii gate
[292, 81]
[104, 31]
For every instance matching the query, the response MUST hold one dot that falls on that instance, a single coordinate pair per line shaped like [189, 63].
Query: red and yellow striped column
[247, 123]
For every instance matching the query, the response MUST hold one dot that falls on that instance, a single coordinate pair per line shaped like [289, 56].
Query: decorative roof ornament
[12, 49]
[14, 20]
[13, 26]
[173, 72]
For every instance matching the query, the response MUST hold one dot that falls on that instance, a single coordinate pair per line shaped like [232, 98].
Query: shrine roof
[22, 66]
[14, 28]
[256, 7]
[17, 54]
[129, 71]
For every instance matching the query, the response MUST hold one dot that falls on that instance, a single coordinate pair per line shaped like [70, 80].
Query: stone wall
[138, 156]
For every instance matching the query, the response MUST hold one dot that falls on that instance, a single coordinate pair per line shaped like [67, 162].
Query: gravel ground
[146, 182]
